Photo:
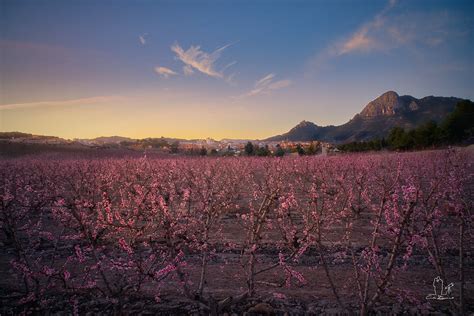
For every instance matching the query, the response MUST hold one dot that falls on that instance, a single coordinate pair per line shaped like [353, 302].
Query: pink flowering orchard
[236, 157]
[355, 234]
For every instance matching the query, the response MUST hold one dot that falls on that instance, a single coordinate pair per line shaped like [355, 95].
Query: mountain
[29, 138]
[111, 139]
[304, 131]
[376, 119]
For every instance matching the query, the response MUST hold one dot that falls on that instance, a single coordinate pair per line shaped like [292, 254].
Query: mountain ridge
[376, 119]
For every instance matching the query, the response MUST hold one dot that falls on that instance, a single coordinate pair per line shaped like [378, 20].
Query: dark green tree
[312, 149]
[263, 151]
[174, 147]
[398, 139]
[427, 135]
[459, 125]
[279, 151]
[203, 151]
[300, 150]
[249, 149]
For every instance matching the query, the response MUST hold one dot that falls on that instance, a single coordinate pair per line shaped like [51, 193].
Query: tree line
[456, 128]
[251, 149]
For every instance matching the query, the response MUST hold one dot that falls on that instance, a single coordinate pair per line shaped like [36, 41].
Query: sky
[221, 69]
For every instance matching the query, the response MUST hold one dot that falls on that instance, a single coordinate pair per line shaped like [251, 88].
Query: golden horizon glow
[111, 116]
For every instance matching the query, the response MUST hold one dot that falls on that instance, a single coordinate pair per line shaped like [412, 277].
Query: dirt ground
[313, 298]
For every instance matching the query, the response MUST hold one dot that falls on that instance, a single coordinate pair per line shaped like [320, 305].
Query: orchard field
[348, 234]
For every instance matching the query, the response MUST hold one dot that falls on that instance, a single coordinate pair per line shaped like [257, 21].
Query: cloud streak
[195, 59]
[165, 72]
[142, 38]
[366, 38]
[266, 85]
[73, 102]
[360, 41]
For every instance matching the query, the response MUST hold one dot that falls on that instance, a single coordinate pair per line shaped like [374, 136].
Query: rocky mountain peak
[376, 119]
[305, 124]
[385, 105]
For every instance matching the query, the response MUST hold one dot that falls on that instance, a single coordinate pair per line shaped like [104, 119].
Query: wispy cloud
[165, 72]
[230, 79]
[266, 85]
[365, 39]
[228, 65]
[265, 80]
[360, 41]
[196, 59]
[142, 38]
[73, 102]
[188, 70]
[390, 29]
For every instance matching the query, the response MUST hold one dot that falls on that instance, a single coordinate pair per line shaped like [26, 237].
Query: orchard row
[116, 228]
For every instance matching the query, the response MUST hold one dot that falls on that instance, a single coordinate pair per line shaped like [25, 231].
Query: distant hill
[10, 136]
[112, 139]
[14, 135]
[376, 119]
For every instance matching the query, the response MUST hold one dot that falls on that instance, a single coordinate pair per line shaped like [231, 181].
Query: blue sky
[221, 68]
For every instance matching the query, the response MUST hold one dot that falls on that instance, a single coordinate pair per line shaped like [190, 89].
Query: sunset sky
[221, 69]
